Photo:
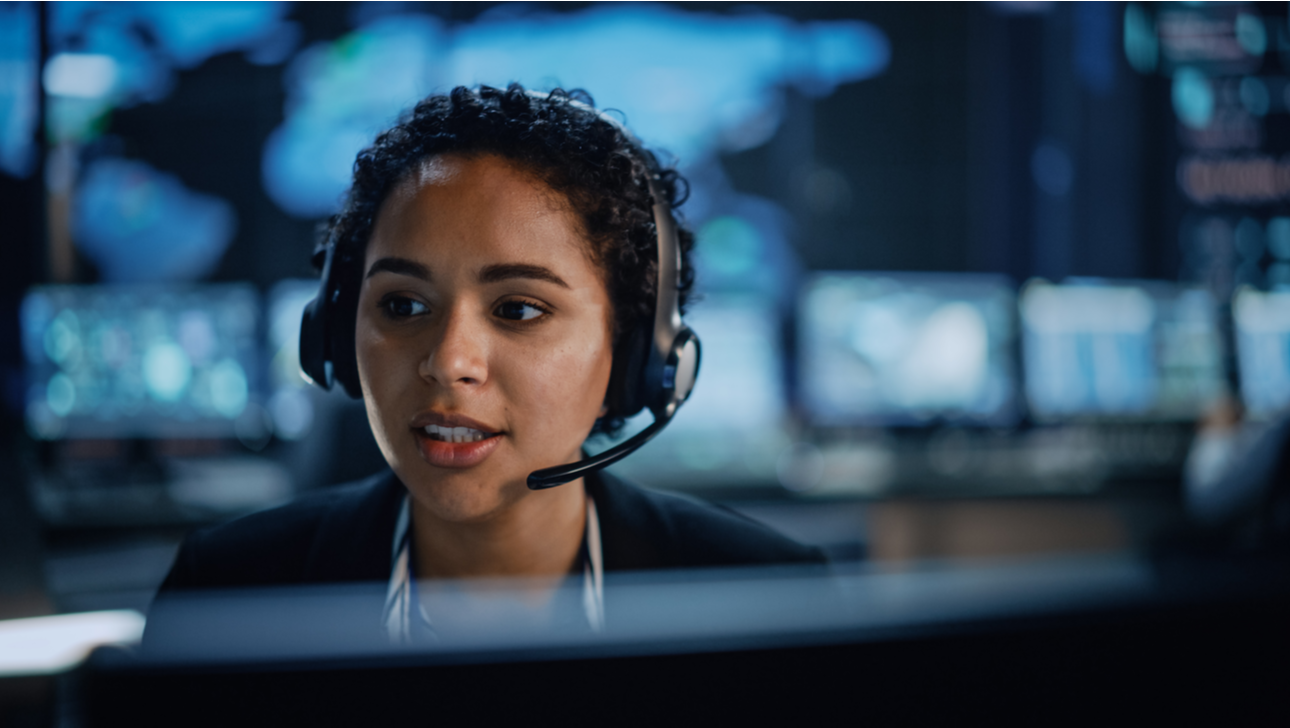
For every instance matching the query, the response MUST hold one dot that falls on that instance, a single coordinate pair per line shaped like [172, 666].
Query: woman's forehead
[478, 206]
[444, 184]
[462, 169]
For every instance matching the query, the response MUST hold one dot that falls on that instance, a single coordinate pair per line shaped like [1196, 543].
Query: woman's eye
[403, 307]
[519, 311]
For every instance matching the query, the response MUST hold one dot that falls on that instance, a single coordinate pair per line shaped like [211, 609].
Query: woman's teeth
[454, 434]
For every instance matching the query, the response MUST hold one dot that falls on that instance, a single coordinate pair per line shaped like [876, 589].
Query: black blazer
[344, 534]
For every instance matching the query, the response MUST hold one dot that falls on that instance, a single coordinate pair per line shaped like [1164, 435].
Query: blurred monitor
[731, 430]
[291, 402]
[1141, 349]
[1262, 322]
[906, 349]
[151, 362]
[1189, 350]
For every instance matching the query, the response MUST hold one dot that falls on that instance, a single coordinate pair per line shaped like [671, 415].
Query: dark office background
[969, 151]
[935, 151]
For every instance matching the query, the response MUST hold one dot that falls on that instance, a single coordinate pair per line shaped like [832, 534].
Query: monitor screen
[118, 361]
[1189, 350]
[1263, 349]
[906, 349]
[1119, 349]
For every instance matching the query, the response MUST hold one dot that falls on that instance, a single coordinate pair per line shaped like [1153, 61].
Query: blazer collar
[353, 540]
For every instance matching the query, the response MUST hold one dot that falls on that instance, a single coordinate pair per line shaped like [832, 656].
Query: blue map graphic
[691, 83]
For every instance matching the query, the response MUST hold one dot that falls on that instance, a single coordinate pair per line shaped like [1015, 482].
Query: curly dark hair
[563, 140]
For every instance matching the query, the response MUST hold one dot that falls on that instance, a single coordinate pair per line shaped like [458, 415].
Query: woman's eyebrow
[400, 266]
[507, 271]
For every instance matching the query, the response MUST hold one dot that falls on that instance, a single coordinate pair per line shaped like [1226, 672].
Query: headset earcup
[313, 343]
[344, 354]
[327, 353]
[627, 395]
[346, 364]
[683, 365]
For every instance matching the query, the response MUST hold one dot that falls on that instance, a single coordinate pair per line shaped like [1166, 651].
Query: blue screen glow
[878, 348]
[691, 83]
[291, 406]
[140, 225]
[114, 361]
[19, 104]
[1263, 346]
[1102, 348]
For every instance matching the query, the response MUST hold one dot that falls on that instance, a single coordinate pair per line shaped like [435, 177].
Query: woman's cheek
[563, 385]
[377, 366]
[366, 347]
[585, 378]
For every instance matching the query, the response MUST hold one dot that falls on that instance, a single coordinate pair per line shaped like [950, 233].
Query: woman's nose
[458, 353]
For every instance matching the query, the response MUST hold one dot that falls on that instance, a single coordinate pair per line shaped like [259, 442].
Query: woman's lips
[443, 454]
[442, 420]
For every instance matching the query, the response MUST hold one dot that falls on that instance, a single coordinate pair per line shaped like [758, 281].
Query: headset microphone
[559, 475]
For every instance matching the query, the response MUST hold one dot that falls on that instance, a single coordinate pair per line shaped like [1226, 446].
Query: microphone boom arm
[560, 474]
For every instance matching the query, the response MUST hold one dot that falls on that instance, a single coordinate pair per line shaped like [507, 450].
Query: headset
[655, 365]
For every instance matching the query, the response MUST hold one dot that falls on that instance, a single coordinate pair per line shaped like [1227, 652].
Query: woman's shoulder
[331, 535]
[646, 529]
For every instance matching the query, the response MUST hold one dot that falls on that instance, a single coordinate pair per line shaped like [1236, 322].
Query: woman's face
[484, 334]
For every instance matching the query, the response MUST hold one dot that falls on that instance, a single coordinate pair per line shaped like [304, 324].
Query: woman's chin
[458, 499]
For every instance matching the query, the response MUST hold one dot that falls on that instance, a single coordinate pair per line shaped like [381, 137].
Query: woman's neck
[539, 536]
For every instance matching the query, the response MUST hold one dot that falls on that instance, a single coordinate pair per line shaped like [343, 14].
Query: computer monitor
[1262, 322]
[906, 349]
[1189, 350]
[149, 362]
[1119, 349]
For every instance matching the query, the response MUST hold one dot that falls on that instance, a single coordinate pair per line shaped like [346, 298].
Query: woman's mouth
[455, 434]
[455, 447]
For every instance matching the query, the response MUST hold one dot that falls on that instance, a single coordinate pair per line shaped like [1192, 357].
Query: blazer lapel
[352, 544]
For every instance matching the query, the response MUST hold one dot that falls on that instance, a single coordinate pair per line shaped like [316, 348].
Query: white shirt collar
[405, 616]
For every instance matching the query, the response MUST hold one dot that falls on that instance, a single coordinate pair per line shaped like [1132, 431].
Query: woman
[494, 255]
